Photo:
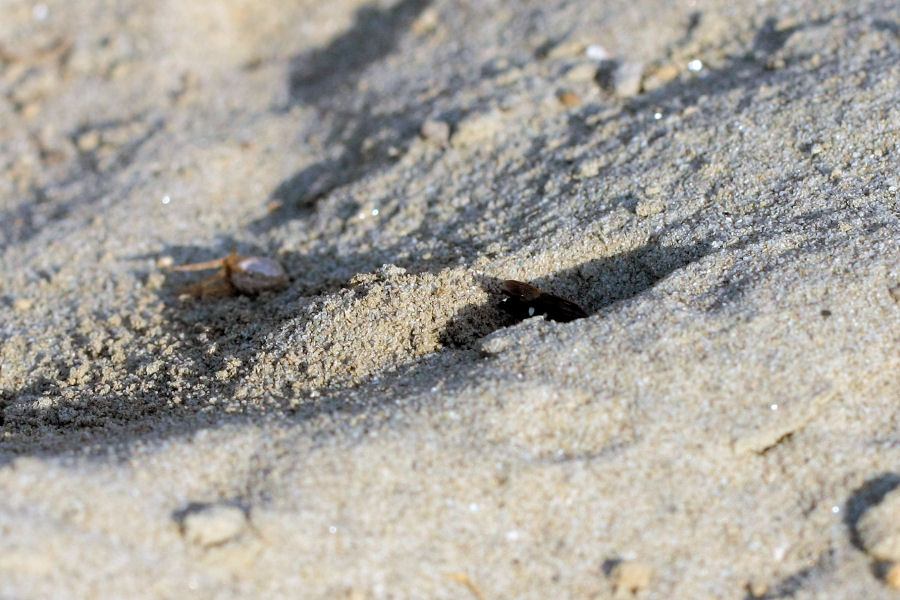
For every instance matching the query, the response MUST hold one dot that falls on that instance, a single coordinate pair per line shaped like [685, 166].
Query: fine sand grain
[715, 183]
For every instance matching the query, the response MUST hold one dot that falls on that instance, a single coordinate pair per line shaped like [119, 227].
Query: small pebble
[588, 168]
[569, 99]
[436, 132]
[209, 525]
[630, 577]
[892, 577]
[649, 206]
[89, 140]
[597, 52]
[757, 588]
[566, 49]
[165, 262]
[30, 110]
[581, 73]
[660, 76]
[628, 78]
[478, 129]
[879, 528]
[40, 12]
[22, 304]
[426, 22]
[355, 594]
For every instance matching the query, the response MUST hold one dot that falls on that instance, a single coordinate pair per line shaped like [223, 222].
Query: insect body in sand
[243, 274]
[523, 300]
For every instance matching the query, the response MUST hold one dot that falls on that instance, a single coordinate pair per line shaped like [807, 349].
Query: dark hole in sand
[591, 286]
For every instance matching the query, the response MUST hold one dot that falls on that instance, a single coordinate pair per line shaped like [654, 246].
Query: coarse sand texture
[365, 400]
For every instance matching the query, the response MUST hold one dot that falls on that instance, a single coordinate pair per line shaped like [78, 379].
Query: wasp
[523, 300]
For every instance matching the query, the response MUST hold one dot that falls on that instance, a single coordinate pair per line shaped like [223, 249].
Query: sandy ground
[716, 185]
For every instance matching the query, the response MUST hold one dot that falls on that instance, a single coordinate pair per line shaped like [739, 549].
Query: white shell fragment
[597, 52]
[254, 274]
[213, 524]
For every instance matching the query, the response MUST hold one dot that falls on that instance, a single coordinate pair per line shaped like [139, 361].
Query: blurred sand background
[716, 183]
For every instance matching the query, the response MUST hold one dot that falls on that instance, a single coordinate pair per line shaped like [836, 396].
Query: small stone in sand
[597, 52]
[436, 132]
[649, 206]
[210, 525]
[30, 110]
[89, 141]
[426, 22]
[478, 129]
[628, 78]
[22, 304]
[630, 577]
[569, 98]
[659, 76]
[757, 588]
[892, 577]
[589, 167]
[879, 529]
[565, 49]
[582, 72]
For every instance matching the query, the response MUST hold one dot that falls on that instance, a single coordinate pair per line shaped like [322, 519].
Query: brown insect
[243, 274]
[523, 300]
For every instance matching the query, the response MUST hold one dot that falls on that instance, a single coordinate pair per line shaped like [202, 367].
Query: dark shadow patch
[792, 584]
[522, 301]
[477, 320]
[599, 283]
[316, 74]
[770, 39]
[315, 77]
[884, 25]
[609, 565]
[593, 285]
[869, 494]
[192, 508]
[880, 569]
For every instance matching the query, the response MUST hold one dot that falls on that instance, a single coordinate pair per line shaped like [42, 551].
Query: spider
[242, 274]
